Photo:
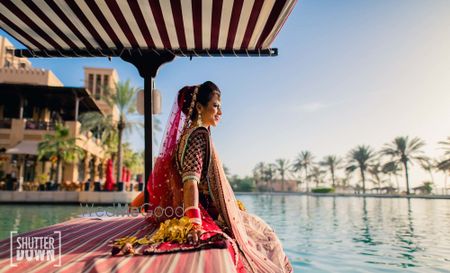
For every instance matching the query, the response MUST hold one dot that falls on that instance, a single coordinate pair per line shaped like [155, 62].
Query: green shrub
[245, 184]
[428, 187]
[322, 190]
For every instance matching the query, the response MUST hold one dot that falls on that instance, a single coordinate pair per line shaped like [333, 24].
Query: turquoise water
[321, 234]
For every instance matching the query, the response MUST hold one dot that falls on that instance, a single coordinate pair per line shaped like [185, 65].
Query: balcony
[40, 125]
[5, 124]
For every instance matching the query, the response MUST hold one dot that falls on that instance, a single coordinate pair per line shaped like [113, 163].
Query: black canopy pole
[148, 64]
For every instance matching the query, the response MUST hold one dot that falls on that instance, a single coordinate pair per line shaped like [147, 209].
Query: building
[32, 100]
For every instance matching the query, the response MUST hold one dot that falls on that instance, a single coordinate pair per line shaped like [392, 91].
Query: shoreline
[114, 198]
[372, 195]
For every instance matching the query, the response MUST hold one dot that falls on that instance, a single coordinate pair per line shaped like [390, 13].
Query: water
[352, 234]
[321, 234]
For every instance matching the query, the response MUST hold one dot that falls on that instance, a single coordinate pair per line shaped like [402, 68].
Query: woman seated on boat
[189, 176]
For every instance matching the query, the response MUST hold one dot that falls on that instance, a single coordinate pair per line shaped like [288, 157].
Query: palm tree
[360, 158]
[258, 172]
[123, 98]
[59, 147]
[446, 146]
[269, 173]
[305, 161]
[317, 175]
[133, 160]
[102, 127]
[345, 181]
[332, 162]
[428, 166]
[282, 167]
[392, 168]
[375, 171]
[404, 151]
[444, 164]
[444, 167]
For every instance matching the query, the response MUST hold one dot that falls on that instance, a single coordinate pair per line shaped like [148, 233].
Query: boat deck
[86, 247]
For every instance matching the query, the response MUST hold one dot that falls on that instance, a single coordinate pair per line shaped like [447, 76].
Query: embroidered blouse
[195, 156]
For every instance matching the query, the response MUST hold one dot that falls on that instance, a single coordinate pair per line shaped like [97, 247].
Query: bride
[191, 199]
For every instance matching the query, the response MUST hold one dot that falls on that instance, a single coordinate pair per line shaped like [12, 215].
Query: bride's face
[212, 113]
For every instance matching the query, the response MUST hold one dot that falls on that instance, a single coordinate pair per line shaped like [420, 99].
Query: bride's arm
[190, 193]
[191, 176]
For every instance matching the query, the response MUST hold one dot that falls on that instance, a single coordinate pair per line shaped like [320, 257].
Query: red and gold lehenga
[189, 153]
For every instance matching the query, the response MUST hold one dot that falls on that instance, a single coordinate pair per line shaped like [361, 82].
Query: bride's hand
[194, 234]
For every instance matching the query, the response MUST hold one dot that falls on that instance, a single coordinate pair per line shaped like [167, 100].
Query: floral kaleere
[170, 237]
[173, 230]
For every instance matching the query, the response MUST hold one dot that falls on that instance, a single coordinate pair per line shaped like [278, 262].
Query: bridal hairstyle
[204, 94]
[164, 183]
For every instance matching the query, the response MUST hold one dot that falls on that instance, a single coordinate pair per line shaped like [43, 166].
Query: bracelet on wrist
[194, 215]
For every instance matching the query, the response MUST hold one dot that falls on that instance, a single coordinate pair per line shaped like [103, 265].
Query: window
[29, 171]
[81, 170]
[106, 81]
[90, 85]
[98, 86]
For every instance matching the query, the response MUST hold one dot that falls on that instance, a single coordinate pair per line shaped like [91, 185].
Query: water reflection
[366, 236]
[23, 218]
[362, 234]
[406, 236]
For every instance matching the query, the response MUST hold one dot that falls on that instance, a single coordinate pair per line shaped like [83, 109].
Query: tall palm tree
[304, 161]
[123, 98]
[392, 168]
[404, 151]
[282, 167]
[297, 168]
[333, 163]
[360, 158]
[59, 148]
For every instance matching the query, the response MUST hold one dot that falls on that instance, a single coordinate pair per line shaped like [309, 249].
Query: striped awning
[110, 27]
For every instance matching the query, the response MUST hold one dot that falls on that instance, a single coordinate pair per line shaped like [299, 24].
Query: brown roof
[48, 96]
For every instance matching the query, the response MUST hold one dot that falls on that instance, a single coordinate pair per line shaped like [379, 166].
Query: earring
[199, 119]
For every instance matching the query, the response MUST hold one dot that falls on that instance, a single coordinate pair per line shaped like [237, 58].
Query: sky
[348, 73]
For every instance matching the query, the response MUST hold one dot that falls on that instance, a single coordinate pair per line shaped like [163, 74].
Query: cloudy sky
[348, 73]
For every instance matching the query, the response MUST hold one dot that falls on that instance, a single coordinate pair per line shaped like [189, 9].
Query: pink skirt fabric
[216, 238]
[86, 247]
